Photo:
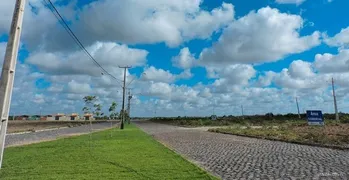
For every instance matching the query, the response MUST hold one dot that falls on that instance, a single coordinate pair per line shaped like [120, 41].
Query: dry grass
[329, 135]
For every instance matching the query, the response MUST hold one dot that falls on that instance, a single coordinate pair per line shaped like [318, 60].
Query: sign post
[315, 117]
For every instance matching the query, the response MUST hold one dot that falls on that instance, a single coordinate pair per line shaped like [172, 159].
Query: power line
[75, 38]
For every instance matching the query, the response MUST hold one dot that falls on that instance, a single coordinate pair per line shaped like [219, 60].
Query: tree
[112, 110]
[98, 110]
[89, 103]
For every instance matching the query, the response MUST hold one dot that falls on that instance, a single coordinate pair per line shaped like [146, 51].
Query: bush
[344, 119]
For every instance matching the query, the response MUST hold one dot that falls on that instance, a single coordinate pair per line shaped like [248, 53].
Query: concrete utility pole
[299, 114]
[242, 111]
[156, 107]
[123, 97]
[129, 106]
[335, 101]
[8, 70]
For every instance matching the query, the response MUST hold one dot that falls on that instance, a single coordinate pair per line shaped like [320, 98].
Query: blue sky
[187, 56]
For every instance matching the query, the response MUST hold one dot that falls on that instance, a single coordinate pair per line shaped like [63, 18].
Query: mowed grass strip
[127, 154]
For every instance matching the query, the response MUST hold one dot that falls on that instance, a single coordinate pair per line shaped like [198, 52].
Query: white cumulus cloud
[263, 36]
[184, 60]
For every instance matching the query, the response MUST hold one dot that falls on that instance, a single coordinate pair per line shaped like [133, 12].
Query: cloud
[234, 74]
[206, 93]
[265, 79]
[6, 12]
[339, 40]
[157, 75]
[55, 88]
[79, 88]
[39, 99]
[109, 55]
[231, 78]
[301, 69]
[159, 89]
[330, 63]
[298, 2]
[186, 74]
[263, 36]
[285, 80]
[47, 33]
[131, 22]
[171, 22]
[184, 60]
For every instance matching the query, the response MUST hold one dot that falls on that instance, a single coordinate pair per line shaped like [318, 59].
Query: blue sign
[315, 117]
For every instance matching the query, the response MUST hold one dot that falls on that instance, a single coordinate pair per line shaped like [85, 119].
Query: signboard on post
[315, 117]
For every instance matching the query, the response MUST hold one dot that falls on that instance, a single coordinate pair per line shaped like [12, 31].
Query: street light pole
[8, 71]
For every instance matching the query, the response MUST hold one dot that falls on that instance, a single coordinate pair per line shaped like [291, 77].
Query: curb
[286, 141]
[42, 130]
[59, 137]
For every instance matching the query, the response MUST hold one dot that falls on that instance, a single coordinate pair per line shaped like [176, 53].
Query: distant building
[22, 117]
[34, 117]
[88, 117]
[50, 117]
[74, 116]
[60, 116]
[43, 118]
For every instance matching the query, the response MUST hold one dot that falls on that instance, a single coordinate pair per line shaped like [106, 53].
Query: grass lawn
[333, 134]
[128, 154]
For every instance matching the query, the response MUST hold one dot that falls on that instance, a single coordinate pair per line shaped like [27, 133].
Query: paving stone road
[234, 157]
[28, 138]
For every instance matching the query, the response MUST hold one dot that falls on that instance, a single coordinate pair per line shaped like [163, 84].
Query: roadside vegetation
[275, 127]
[331, 135]
[27, 125]
[111, 154]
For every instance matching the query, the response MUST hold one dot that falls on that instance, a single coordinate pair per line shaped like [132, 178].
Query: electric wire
[65, 25]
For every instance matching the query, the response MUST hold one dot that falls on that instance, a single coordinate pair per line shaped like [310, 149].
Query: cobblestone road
[234, 157]
[28, 138]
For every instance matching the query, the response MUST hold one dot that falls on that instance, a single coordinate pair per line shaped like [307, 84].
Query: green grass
[128, 154]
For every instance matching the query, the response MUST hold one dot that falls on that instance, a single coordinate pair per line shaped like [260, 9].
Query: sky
[188, 57]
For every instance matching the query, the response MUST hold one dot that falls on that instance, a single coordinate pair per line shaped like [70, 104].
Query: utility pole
[129, 106]
[299, 115]
[123, 98]
[335, 101]
[242, 111]
[8, 70]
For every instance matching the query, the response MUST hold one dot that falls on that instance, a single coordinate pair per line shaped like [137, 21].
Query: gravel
[34, 137]
[234, 157]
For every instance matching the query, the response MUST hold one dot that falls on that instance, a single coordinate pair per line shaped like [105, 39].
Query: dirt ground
[23, 126]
